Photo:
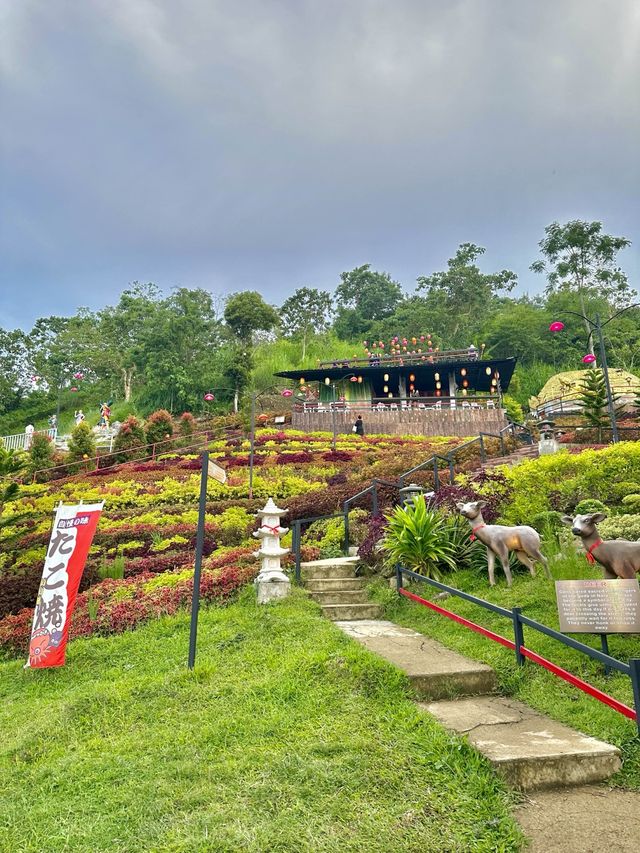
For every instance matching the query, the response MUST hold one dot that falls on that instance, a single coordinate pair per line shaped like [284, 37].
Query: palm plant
[417, 538]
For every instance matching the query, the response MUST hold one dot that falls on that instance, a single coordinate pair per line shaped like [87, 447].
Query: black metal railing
[518, 621]
[518, 431]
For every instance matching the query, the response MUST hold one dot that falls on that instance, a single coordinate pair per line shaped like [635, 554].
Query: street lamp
[589, 358]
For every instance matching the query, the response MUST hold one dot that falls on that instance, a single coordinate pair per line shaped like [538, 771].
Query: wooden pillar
[452, 388]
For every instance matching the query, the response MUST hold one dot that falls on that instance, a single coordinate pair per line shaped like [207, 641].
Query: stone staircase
[340, 594]
[527, 451]
[531, 751]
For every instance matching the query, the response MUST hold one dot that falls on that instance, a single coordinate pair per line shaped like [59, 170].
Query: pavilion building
[455, 392]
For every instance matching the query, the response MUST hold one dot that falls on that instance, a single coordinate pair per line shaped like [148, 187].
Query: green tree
[305, 313]
[41, 454]
[461, 297]
[579, 259]
[247, 313]
[364, 296]
[82, 444]
[593, 397]
[13, 369]
[236, 366]
[179, 349]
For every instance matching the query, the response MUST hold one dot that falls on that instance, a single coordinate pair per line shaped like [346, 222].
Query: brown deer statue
[499, 540]
[618, 557]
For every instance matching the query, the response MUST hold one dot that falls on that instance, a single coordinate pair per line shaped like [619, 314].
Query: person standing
[28, 436]
[358, 427]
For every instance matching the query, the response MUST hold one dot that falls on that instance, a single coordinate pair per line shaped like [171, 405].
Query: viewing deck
[403, 416]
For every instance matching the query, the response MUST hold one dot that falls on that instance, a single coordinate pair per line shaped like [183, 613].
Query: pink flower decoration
[556, 326]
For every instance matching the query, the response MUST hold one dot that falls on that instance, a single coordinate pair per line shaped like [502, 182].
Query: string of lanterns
[421, 346]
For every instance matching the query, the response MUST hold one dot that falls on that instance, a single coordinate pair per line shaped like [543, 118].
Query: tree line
[167, 351]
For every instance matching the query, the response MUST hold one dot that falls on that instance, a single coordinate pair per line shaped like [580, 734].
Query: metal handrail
[518, 620]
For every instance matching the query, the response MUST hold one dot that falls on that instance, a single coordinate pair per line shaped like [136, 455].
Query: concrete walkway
[529, 750]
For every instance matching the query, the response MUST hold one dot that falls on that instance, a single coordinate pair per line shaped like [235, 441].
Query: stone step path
[340, 594]
[528, 451]
[531, 751]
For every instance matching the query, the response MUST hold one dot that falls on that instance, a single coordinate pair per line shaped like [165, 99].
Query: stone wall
[458, 422]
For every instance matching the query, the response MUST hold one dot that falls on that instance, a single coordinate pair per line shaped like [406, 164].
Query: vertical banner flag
[71, 537]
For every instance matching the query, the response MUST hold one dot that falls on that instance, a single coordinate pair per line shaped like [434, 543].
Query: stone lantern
[272, 583]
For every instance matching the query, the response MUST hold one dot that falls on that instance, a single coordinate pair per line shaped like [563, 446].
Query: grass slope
[531, 683]
[287, 737]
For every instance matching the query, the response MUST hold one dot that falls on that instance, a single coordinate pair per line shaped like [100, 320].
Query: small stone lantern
[409, 493]
[272, 583]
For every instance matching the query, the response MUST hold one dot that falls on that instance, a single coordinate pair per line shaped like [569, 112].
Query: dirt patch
[581, 820]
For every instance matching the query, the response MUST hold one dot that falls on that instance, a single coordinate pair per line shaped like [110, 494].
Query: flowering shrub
[121, 605]
[159, 428]
[129, 443]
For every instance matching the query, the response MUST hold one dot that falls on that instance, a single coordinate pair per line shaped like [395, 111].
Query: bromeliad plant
[417, 538]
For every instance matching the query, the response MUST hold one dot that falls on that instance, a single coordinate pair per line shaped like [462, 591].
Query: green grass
[531, 683]
[288, 736]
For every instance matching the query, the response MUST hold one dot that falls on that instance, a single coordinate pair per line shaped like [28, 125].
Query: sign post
[195, 599]
[599, 607]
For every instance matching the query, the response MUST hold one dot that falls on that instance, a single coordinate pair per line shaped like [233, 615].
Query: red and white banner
[71, 537]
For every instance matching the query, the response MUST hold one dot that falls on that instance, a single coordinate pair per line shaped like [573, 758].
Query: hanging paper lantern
[424, 358]
[327, 381]
[438, 385]
[386, 377]
[464, 392]
[430, 349]
[488, 371]
[385, 389]
[412, 387]
[589, 358]
[436, 376]
[463, 372]
[381, 345]
[374, 345]
[302, 380]
[556, 326]
[438, 393]
[465, 383]
[422, 337]
[365, 343]
[412, 377]
[74, 389]
[390, 394]
[414, 340]
[360, 379]
[209, 396]
[286, 393]
[354, 379]
[419, 350]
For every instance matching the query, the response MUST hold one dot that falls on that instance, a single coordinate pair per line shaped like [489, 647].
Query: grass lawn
[287, 737]
[531, 683]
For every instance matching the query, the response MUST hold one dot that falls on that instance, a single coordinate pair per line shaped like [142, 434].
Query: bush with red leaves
[115, 615]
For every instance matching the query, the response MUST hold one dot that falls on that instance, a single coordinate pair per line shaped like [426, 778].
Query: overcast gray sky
[270, 144]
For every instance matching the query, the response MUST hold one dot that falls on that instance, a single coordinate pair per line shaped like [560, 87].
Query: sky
[272, 144]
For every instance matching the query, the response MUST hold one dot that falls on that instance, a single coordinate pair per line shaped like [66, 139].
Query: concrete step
[341, 596]
[435, 671]
[335, 567]
[340, 612]
[529, 750]
[328, 573]
[334, 584]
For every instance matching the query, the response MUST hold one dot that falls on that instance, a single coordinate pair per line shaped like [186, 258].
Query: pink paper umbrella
[588, 358]
[556, 326]
[209, 397]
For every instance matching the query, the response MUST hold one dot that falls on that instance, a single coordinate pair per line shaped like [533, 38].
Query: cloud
[270, 143]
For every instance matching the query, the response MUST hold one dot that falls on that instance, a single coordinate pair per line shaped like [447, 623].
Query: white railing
[22, 440]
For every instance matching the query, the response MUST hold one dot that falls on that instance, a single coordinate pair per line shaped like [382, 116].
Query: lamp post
[209, 396]
[596, 326]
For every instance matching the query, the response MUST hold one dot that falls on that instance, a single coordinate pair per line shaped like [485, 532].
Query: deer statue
[500, 539]
[618, 557]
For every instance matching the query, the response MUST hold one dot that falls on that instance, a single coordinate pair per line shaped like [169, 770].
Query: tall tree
[246, 313]
[578, 258]
[13, 368]
[363, 297]
[305, 312]
[461, 297]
